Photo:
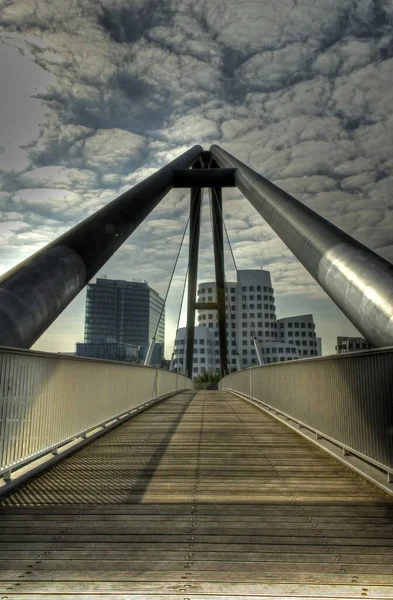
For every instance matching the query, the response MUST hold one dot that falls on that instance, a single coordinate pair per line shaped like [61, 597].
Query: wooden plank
[200, 496]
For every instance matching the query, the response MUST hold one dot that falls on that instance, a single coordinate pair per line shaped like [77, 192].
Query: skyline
[97, 96]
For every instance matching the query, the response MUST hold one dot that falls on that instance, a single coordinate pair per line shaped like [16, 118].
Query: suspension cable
[178, 318]
[171, 278]
[238, 275]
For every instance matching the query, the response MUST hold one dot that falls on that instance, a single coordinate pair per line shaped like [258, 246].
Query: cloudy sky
[95, 95]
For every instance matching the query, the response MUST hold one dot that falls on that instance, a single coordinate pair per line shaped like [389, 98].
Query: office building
[123, 312]
[347, 344]
[250, 313]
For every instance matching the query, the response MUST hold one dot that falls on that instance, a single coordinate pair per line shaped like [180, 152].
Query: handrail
[345, 399]
[46, 400]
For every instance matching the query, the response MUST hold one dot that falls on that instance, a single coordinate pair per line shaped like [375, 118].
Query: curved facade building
[250, 313]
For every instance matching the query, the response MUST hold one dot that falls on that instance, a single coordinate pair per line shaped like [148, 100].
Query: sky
[96, 95]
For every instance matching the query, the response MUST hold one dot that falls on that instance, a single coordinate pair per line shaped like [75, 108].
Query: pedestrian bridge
[208, 494]
[120, 481]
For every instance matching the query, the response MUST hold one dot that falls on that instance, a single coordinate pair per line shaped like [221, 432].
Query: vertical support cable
[218, 245]
[258, 351]
[195, 226]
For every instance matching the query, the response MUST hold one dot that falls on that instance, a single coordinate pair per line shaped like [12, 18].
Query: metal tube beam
[36, 291]
[206, 305]
[150, 351]
[188, 178]
[218, 244]
[359, 281]
[195, 226]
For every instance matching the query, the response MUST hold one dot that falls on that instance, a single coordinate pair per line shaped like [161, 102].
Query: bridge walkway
[202, 496]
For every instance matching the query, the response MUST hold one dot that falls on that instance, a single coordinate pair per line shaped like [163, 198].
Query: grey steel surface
[36, 291]
[359, 281]
[347, 398]
[47, 399]
[218, 245]
[195, 228]
[202, 496]
[204, 178]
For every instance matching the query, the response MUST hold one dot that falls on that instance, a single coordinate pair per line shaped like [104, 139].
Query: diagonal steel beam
[36, 291]
[359, 281]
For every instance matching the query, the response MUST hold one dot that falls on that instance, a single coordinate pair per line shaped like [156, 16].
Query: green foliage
[207, 377]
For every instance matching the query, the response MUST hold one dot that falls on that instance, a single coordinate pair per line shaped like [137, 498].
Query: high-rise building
[126, 312]
[351, 344]
[250, 315]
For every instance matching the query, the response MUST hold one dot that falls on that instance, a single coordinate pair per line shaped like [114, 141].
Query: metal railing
[346, 399]
[47, 400]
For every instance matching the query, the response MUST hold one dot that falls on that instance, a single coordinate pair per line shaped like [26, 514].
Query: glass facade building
[126, 312]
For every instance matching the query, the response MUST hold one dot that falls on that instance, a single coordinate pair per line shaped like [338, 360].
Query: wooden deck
[202, 496]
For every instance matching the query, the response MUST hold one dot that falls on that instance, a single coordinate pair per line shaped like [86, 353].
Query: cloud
[301, 91]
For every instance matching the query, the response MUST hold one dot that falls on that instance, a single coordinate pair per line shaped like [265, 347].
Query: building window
[202, 291]
[290, 333]
[281, 350]
[259, 306]
[244, 315]
[245, 352]
[253, 351]
[259, 297]
[202, 361]
[258, 288]
[296, 334]
[210, 298]
[244, 361]
[304, 352]
[202, 350]
[209, 290]
[297, 325]
[289, 324]
[302, 325]
[251, 297]
[244, 342]
[211, 325]
[259, 323]
[304, 343]
[233, 342]
[303, 334]
[251, 288]
[244, 333]
[266, 306]
[195, 369]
